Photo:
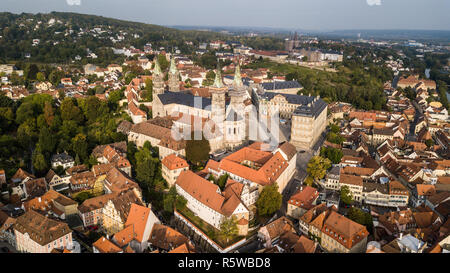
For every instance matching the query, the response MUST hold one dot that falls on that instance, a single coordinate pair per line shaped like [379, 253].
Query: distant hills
[418, 35]
[61, 36]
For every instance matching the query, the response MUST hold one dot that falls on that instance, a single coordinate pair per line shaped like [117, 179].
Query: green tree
[210, 76]
[80, 146]
[361, 217]
[83, 196]
[269, 200]
[228, 228]
[49, 114]
[47, 140]
[335, 138]
[346, 195]
[146, 166]
[30, 71]
[148, 93]
[39, 162]
[197, 151]
[115, 96]
[70, 111]
[333, 154]
[172, 199]
[317, 167]
[40, 76]
[429, 142]
[222, 181]
[163, 62]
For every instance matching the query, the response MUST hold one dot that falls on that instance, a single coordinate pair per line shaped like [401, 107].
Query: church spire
[173, 67]
[237, 77]
[218, 80]
[157, 69]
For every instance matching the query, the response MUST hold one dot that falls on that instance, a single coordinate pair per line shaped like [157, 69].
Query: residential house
[90, 211]
[167, 239]
[342, 235]
[116, 211]
[302, 201]
[63, 159]
[104, 245]
[270, 233]
[207, 201]
[138, 226]
[36, 233]
[171, 167]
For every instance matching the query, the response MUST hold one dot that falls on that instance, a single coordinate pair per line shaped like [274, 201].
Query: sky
[319, 15]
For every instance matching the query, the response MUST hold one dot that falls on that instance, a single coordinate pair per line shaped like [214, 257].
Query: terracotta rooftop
[41, 229]
[106, 246]
[173, 162]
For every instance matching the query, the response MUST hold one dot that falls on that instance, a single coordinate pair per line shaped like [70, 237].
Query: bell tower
[174, 76]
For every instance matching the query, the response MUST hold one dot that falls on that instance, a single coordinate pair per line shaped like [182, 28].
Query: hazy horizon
[320, 15]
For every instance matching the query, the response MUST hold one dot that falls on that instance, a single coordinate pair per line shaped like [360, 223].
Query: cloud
[374, 2]
[78, 2]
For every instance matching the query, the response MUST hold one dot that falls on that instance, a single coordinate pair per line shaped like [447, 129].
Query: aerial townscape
[123, 137]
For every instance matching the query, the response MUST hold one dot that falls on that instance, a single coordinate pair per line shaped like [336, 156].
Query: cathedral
[229, 116]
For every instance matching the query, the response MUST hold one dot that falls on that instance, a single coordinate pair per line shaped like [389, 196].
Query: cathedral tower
[158, 89]
[174, 76]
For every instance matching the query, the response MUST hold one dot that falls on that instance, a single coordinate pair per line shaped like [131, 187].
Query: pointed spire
[237, 77]
[157, 69]
[173, 67]
[218, 83]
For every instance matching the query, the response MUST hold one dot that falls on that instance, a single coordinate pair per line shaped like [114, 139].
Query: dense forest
[71, 35]
[36, 127]
[353, 83]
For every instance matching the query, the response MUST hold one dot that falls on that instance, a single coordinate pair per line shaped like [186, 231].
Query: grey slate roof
[182, 98]
[317, 105]
[246, 80]
[62, 157]
[277, 85]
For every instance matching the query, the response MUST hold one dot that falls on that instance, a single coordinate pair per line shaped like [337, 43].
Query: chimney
[401, 236]
[39, 199]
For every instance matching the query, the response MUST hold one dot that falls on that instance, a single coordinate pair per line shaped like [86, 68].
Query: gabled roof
[21, 175]
[201, 189]
[106, 246]
[278, 227]
[304, 245]
[304, 197]
[138, 217]
[167, 238]
[425, 190]
[173, 162]
[95, 203]
[351, 179]
[41, 229]
[348, 232]
[123, 201]
[36, 187]
[268, 166]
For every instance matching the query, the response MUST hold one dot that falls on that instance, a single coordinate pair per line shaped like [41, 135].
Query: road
[83, 241]
[303, 158]
[251, 247]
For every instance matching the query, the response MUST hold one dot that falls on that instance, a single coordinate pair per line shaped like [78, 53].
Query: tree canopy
[269, 200]
[197, 151]
[317, 167]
